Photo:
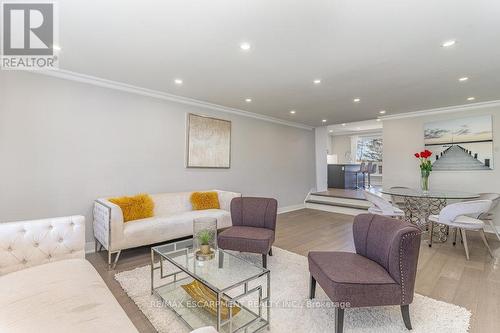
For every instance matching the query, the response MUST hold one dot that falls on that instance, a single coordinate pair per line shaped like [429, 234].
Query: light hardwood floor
[443, 271]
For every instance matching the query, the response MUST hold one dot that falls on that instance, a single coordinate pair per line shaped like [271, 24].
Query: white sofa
[46, 285]
[173, 218]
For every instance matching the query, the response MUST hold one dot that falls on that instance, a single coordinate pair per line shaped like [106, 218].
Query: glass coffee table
[239, 290]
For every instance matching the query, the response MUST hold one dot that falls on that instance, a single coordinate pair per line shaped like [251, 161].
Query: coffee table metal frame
[221, 293]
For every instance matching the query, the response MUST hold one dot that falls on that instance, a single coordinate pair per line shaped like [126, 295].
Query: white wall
[64, 144]
[341, 144]
[403, 137]
[321, 151]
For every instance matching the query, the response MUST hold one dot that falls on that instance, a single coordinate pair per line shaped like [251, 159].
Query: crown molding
[447, 109]
[100, 82]
[358, 133]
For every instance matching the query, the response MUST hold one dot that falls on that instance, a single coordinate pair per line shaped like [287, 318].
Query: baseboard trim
[291, 208]
[336, 209]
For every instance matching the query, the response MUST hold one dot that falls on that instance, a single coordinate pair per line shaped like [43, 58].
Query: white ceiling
[357, 127]
[387, 53]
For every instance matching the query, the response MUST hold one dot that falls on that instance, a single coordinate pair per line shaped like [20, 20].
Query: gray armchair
[254, 224]
[381, 272]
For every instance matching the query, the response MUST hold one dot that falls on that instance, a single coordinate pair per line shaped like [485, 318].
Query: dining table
[418, 205]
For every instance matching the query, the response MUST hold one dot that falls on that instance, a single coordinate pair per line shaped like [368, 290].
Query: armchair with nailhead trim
[382, 271]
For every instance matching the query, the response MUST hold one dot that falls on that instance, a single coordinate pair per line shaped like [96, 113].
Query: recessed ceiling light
[292, 111]
[382, 111]
[317, 81]
[245, 46]
[471, 98]
[449, 43]
[324, 120]
[463, 79]
[356, 100]
[331, 131]
[56, 47]
[178, 81]
[378, 119]
[248, 100]
[344, 124]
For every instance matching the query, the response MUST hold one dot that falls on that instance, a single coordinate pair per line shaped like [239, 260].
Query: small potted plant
[205, 239]
[425, 168]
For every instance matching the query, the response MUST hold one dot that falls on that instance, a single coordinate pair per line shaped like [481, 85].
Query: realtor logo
[29, 36]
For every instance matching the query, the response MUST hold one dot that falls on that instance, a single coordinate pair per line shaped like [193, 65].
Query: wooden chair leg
[405, 311]
[485, 241]
[339, 320]
[264, 260]
[271, 252]
[466, 247]
[312, 287]
[455, 231]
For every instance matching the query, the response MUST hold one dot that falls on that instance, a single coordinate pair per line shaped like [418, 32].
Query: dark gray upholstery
[247, 239]
[353, 279]
[254, 224]
[381, 272]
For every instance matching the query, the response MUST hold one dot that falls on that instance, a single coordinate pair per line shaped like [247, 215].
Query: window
[369, 149]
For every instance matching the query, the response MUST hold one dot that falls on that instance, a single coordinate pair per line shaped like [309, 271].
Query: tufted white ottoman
[46, 285]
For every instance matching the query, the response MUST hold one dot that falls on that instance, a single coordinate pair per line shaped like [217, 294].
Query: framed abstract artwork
[461, 144]
[208, 142]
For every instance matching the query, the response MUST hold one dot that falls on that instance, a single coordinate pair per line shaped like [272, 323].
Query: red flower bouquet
[425, 168]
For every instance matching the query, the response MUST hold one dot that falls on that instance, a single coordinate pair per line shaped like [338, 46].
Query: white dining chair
[458, 216]
[490, 215]
[398, 200]
[382, 206]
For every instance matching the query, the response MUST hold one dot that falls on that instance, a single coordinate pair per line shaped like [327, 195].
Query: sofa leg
[112, 265]
[312, 288]
[264, 260]
[405, 311]
[271, 252]
[339, 320]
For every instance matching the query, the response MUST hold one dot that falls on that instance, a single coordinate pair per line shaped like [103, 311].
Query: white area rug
[290, 285]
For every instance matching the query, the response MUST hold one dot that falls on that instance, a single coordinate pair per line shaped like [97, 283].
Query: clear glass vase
[424, 180]
[204, 237]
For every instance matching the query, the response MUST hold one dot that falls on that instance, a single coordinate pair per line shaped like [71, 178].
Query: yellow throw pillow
[137, 207]
[205, 200]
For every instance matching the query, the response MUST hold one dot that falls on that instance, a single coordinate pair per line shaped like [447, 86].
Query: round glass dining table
[419, 205]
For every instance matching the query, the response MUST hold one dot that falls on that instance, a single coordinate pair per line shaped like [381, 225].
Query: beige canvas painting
[208, 142]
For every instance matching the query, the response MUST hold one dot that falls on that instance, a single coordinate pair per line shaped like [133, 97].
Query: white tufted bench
[46, 285]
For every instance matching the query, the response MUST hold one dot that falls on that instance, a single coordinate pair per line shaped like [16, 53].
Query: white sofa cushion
[158, 229]
[171, 203]
[64, 296]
